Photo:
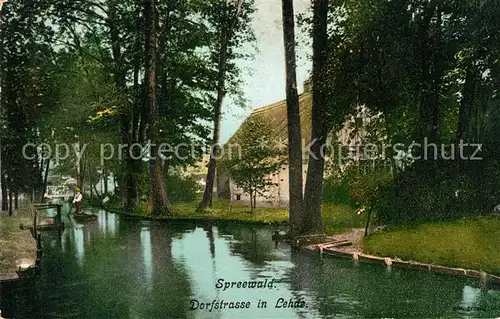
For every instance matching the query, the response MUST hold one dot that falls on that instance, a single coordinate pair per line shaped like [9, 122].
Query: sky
[267, 83]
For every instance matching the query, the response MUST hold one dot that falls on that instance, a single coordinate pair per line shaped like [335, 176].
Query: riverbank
[466, 247]
[466, 243]
[336, 218]
[428, 247]
[17, 247]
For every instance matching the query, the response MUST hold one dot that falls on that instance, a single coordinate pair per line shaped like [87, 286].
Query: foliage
[336, 191]
[87, 62]
[338, 218]
[358, 185]
[364, 188]
[181, 188]
[427, 69]
[355, 173]
[27, 89]
[445, 195]
[258, 159]
[222, 16]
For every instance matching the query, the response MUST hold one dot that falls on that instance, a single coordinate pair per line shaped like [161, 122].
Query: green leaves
[253, 157]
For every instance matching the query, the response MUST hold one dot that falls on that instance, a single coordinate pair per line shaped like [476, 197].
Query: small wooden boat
[84, 217]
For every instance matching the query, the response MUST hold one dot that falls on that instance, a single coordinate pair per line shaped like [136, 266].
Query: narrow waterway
[119, 268]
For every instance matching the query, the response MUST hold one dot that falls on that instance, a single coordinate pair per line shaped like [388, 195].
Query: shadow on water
[117, 268]
[369, 290]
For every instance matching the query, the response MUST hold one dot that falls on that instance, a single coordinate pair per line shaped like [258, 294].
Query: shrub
[181, 188]
[336, 191]
[449, 193]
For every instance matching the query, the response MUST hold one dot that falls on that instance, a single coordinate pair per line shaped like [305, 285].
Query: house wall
[276, 196]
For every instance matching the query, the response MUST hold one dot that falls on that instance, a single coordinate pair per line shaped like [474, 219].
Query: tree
[26, 89]
[428, 69]
[296, 214]
[251, 170]
[157, 184]
[313, 194]
[230, 22]
[110, 33]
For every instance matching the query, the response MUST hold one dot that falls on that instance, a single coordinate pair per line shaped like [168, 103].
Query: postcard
[249, 159]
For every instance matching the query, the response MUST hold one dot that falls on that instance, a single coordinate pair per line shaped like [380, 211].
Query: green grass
[340, 217]
[220, 211]
[467, 243]
[15, 244]
[336, 217]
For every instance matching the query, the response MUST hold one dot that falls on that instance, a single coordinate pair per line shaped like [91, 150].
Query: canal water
[119, 268]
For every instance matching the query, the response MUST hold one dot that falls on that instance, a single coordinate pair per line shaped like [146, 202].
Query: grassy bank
[220, 211]
[467, 243]
[15, 244]
[336, 218]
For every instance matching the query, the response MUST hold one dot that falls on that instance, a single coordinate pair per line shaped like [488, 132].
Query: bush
[181, 188]
[336, 191]
[354, 187]
[444, 193]
[364, 188]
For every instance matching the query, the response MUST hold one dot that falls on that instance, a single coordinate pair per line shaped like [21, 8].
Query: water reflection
[153, 270]
[79, 244]
[107, 222]
[469, 296]
[146, 255]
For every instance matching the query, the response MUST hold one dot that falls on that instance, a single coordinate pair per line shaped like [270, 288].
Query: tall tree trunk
[221, 92]
[105, 181]
[95, 191]
[5, 204]
[431, 79]
[137, 125]
[161, 206]
[10, 203]
[465, 110]
[313, 195]
[16, 200]
[40, 168]
[251, 201]
[296, 214]
[465, 115]
[81, 173]
[164, 95]
[131, 167]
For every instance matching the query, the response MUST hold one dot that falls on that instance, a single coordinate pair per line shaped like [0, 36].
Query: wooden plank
[336, 250]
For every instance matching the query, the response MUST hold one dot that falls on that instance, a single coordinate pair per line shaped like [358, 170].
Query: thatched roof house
[275, 115]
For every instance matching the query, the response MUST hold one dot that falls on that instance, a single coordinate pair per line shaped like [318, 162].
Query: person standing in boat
[78, 201]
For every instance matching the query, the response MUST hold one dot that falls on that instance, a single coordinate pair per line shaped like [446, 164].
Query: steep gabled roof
[275, 115]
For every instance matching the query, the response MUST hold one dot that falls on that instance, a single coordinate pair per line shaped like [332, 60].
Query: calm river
[119, 268]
